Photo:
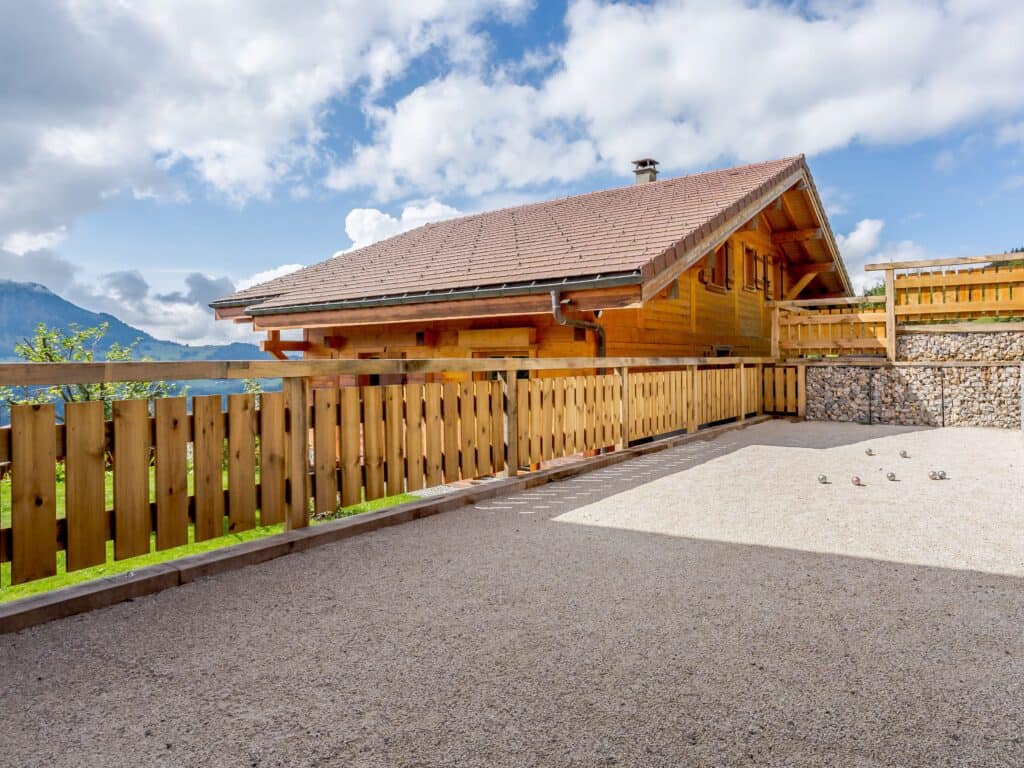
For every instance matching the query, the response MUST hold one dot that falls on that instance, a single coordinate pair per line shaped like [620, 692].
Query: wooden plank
[373, 441]
[351, 445]
[695, 397]
[791, 395]
[325, 449]
[29, 374]
[241, 462]
[394, 439]
[890, 316]
[296, 399]
[536, 421]
[997, 258]
[523, 421]
[482, 396]
[33, 493]
[414, 470]
[547, 420]
[801, 386]
[497, 427]
[511, 422]
[131, 478]
[451, 432]
[434, 434]
[591, 436]
[624, 412]
[171, 471]
[467, 430]
[85, 503]
[272, 458]
[207, 459]
[558, 417]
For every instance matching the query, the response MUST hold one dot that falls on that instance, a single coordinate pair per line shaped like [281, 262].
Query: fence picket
[272, 464]
[33, 492]
[207, 463]
[171, 472]
[241, 462]
[414, 436]
[351, 429]
[85, 498]
[325, 451]
[132, 522]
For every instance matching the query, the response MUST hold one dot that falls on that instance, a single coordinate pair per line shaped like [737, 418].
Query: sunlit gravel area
[713, 604]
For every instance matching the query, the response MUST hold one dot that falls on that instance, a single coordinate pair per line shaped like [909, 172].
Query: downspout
[556, 312]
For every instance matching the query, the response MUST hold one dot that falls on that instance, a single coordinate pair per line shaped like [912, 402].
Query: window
[717, 274]
[751, 269]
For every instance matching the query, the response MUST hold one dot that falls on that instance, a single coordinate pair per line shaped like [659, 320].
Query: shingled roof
[624, 232]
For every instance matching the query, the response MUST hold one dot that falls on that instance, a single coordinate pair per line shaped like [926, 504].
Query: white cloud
[746, 81]
[145, 97]
[1011, 133]
[864, 239]
[181, 316]
[264, 276]
[365, 226]
[21, 243]
[464, 133]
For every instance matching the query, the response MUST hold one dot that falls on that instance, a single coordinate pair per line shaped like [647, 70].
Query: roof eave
[632, 277]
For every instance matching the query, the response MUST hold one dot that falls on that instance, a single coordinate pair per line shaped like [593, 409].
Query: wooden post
[801, 391]
[890, 315]
[743, 392]
[775, 332]
[624, 415]
[508, 384]
[297, 453]
[691, 416]
[759, 394]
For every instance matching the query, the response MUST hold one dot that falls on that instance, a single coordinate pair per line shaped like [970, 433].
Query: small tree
[79, 345]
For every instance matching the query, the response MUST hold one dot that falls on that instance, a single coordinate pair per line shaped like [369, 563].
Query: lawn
[111, 567]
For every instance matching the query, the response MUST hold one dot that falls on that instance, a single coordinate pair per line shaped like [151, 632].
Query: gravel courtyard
[708, 605]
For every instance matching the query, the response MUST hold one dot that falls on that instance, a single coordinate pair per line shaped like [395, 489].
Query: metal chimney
[645, 170]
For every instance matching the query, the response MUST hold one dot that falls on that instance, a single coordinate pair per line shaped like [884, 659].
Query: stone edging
[100, 593]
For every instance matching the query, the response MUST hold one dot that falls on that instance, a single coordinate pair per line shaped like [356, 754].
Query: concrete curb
[61, 603]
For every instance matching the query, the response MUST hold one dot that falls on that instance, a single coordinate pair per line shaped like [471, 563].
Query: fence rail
[917, 293]
[177, 476]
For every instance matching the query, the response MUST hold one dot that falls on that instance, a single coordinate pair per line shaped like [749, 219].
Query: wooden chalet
[680, 267]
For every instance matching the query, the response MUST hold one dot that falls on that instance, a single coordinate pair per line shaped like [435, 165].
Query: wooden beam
[526, 304]
[926, 263]
[817, 268]
[800, 284]
[32, 374]
[796, 236]
[890, 316]
[838, 301]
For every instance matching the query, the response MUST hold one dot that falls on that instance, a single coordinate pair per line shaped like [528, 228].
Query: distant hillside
[24, 305]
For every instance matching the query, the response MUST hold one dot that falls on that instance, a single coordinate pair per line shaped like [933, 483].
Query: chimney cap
[646, 170]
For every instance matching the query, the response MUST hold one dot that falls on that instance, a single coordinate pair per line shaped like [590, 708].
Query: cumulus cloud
[98, 98]
[811, 79]
[264, 276]
[468, 134]
[864, 245]
[365, 226]
[182, 316]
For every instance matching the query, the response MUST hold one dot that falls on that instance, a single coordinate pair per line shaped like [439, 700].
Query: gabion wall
[977, 397]
[1002, 345]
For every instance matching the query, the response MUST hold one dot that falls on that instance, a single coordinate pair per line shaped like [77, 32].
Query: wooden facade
[699, 314]
[686, 267]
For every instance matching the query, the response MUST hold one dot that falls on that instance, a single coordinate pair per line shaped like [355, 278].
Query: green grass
[112, 567]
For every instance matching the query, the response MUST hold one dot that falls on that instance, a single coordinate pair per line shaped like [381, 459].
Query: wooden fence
[929, 292]
[283, 455]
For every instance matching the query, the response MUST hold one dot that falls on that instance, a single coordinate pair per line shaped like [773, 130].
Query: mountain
[24, 305]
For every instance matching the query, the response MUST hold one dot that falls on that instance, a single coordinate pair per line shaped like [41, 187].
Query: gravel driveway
[708, 605]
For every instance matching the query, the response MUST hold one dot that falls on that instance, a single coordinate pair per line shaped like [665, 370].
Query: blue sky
[161, 160]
